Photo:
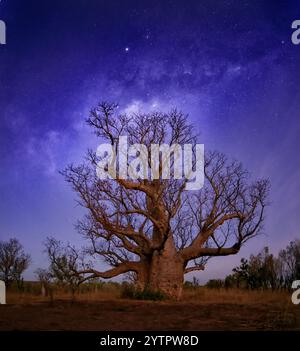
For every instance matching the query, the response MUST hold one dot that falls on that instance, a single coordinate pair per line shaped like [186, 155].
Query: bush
[215, 284]
[130, 292]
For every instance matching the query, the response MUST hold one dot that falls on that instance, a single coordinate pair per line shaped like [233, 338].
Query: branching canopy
[128, 220]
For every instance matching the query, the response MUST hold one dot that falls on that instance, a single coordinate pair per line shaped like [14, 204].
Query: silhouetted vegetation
[264, 270]
[13, 262]
[129, 291]
[215, 284]
[62, 270]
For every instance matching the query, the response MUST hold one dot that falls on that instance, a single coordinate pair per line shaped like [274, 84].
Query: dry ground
[200, 309]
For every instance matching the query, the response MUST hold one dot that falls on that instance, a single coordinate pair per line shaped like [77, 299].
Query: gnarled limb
[120, 269]
[194, 268]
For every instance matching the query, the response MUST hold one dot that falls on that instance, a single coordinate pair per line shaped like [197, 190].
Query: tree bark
[163, 272]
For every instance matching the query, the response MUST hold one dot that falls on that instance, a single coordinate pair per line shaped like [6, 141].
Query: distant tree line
[264, 270]
[261, 271]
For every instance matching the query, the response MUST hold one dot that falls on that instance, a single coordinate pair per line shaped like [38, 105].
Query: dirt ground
[128, 315]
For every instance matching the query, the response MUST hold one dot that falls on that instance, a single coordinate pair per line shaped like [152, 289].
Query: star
[126, 49]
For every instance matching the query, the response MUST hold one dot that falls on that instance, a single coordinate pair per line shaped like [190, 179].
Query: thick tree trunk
[163, 272]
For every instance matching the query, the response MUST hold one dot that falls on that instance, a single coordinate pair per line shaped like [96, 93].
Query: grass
[234, 296]
[109, 306]
[130, 292]
[113, 291]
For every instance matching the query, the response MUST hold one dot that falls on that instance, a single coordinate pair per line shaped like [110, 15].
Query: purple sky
[229, 64]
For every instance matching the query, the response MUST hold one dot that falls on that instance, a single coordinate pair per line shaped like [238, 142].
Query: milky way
[230, 64]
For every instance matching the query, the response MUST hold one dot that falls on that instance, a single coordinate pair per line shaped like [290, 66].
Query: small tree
[290, 263]
[65, 261]
[266, 267]
[13, 262]
[259, 272]
[45, 278]
[241, 273]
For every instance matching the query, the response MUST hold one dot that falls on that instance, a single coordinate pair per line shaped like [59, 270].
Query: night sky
[230, 64]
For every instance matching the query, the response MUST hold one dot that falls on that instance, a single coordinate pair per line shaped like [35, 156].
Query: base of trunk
[164, 273]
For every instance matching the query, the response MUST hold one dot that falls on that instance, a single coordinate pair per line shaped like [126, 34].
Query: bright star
[127, 49]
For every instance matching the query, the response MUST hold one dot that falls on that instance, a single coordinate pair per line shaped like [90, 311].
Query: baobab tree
[155, 228]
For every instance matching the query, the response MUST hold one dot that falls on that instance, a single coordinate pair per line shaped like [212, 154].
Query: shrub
[215, 284]
[130, 292]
